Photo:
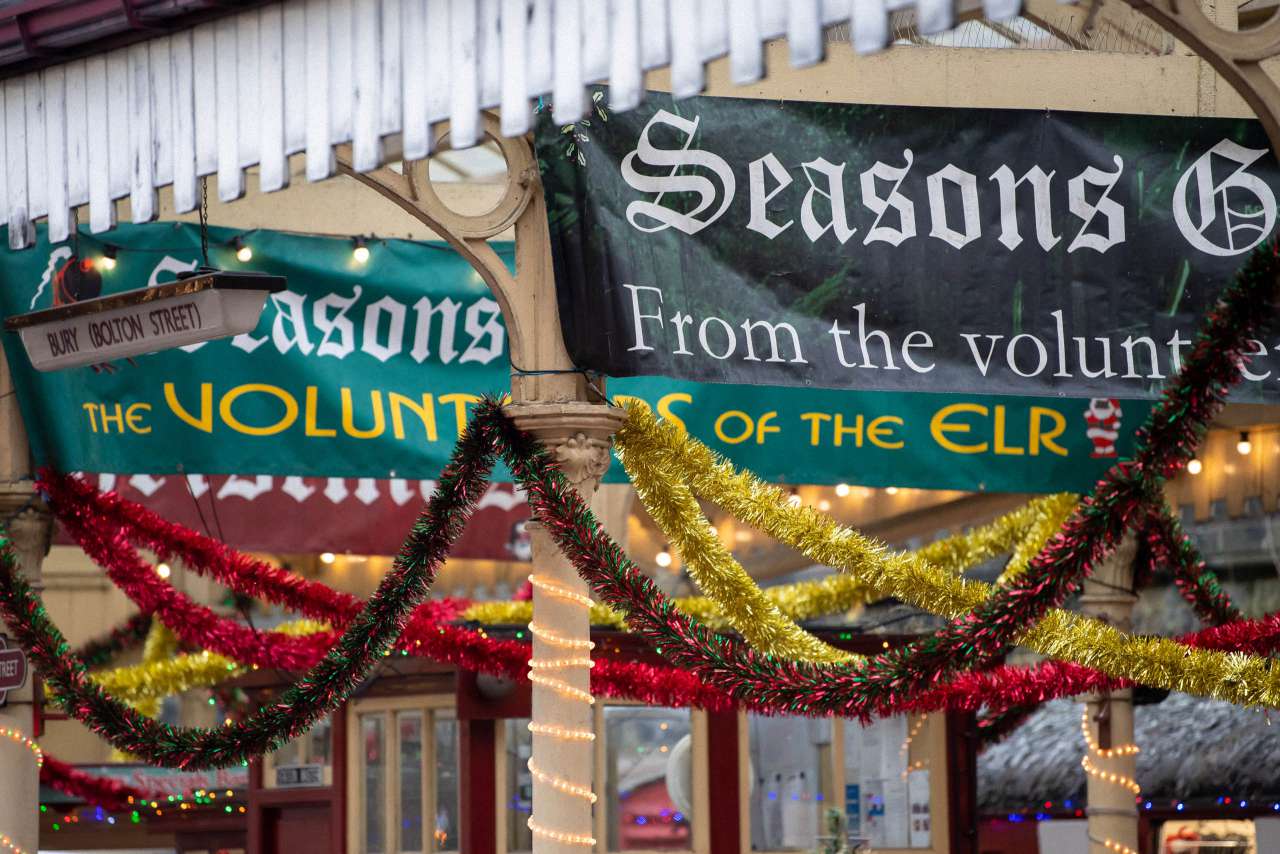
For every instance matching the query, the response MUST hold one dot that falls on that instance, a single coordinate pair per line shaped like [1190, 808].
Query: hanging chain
[204, 220]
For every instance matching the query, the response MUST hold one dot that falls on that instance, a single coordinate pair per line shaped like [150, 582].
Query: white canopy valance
[253, 88]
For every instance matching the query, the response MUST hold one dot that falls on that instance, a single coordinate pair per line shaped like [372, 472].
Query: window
[404, 759]
[646, 785]
[518, 745]
[448, 819]
[887, 781]
[304, 762]
[790, 768]
[649, 773]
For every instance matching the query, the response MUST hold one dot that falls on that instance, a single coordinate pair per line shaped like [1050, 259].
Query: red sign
[13, 669]
[310, 515]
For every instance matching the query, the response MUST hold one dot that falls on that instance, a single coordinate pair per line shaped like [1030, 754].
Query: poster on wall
[845, 246]
[920, 829]
[367, 372]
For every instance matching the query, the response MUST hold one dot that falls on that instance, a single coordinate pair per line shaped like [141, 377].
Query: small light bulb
[244, 253]
[1244, 447]
[327, 557]
[891, 490]
[824, 505]
[842, 490]
[361, 252]
[663, 558]
[163, 570]
[794, 498]
[107, 263]
[1195, 466]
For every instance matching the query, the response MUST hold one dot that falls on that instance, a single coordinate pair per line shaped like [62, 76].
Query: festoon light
[577, 653]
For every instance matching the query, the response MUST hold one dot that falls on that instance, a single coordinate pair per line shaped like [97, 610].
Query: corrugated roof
[1191, 749]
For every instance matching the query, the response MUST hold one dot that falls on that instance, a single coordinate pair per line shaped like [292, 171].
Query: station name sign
[201, 307]
[13, 669]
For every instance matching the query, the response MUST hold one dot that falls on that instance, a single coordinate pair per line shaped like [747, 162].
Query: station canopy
[185, 90]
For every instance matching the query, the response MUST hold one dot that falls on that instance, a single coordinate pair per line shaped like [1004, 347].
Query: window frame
[304, 754]
[701, 840]
[429, 706]
[928, 746]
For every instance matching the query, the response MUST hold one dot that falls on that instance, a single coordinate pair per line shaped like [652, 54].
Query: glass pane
[519, 785]
[373, 735]
[447, 815]
[290, 754]
[319, 740]
[875, 797]
[648, 761]
[409, 727]
[786, 793]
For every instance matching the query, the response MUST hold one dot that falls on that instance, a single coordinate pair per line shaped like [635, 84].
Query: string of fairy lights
[1096, 751]
[905, 750]
[17, 736]
[108, 253]
[576, 653]
[186, 801]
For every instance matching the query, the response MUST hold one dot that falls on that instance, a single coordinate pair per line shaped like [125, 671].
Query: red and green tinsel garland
[469, 649]
[429, 633]
[556, 502]
[329, 682]
[429, 636]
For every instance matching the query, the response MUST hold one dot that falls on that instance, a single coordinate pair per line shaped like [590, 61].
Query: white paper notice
[895, 813]
[893, 735]
[918, 798]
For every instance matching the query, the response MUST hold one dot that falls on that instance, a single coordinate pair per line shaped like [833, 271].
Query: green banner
[368, 370]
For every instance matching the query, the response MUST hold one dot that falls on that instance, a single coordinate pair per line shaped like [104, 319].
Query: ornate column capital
[29, 524]
[579, 436]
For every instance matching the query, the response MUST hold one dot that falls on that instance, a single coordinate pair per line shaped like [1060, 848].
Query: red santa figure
[1103, 420]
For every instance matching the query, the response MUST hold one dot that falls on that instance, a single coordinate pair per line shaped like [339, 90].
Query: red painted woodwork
[724, 809]
[287, 821]
[1001, 836]
[289, 829]
[477, 741]
[338, 798]
[506, 699]
[962, 782]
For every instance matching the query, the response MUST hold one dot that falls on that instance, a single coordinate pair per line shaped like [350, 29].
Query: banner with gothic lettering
[901, 248]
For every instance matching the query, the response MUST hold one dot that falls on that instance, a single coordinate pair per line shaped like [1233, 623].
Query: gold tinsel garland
[160, 647]
[1024, 531]
[143, 685]
[711, 566]
[741, 602]
[1159, 662]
